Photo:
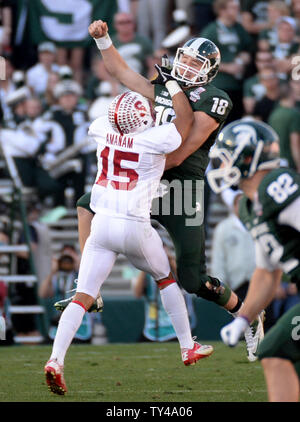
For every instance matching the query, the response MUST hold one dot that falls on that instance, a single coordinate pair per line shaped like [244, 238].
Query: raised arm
[184, 113]
[116, 65]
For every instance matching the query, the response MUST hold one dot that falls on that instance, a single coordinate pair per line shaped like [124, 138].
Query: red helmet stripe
[116, 112]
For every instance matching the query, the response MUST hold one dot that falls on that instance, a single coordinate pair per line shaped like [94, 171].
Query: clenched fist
[98, 29]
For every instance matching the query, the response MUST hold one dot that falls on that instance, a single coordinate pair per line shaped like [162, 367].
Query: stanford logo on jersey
[119, 140]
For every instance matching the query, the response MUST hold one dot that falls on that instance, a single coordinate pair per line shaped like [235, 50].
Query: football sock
[174, 304]
[68, 325]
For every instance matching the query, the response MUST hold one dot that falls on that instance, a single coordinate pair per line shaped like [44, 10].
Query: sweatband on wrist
[237, 306]
[173, 88]
[104, 42]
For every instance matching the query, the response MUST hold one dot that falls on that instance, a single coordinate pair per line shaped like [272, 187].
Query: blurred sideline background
[54, 84]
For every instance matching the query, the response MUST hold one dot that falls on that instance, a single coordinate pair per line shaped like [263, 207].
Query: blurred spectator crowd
[53, 82]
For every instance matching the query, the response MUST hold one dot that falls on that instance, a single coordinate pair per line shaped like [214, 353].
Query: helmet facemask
[242, 157]
[227, 174]
[181, 70]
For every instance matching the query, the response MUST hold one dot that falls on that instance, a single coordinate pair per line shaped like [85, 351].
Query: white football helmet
[130, 112]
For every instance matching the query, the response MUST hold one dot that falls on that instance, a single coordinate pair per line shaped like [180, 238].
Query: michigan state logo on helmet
[244, 147]
[196, 62]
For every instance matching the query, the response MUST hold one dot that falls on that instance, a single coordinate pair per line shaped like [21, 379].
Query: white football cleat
[254, 335]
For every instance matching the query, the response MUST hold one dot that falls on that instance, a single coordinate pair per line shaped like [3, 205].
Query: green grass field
[144, 372]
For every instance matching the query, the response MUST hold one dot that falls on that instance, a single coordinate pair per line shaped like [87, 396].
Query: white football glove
[232, 332]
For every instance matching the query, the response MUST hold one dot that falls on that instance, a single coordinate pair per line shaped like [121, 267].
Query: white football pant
[110, 236]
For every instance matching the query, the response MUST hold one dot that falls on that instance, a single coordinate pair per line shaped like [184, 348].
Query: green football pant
[186, 229]
[283, 339]
[181, 212]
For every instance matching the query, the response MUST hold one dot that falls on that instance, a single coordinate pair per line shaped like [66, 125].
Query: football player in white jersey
[131, 159]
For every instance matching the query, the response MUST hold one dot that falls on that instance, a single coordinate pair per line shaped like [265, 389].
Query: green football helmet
[244, 147]
[203, 51]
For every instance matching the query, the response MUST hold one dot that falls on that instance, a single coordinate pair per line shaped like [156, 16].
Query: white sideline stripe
[23, 339]
[34, 309]
[177, 391]
[19, 278]
[13, 248]
[160, 391]
[108, 356]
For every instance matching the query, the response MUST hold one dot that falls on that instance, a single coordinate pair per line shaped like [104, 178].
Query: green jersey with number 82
[272, 221]
[208, 99]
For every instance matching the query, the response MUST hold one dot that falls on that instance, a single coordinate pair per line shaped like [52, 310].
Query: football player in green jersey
[194, 67]
[270, 210]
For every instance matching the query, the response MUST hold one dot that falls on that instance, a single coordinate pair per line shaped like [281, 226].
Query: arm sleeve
[290, 216]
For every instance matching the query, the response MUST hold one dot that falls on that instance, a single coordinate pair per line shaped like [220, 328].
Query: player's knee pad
[203, 285]
[213, 290]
